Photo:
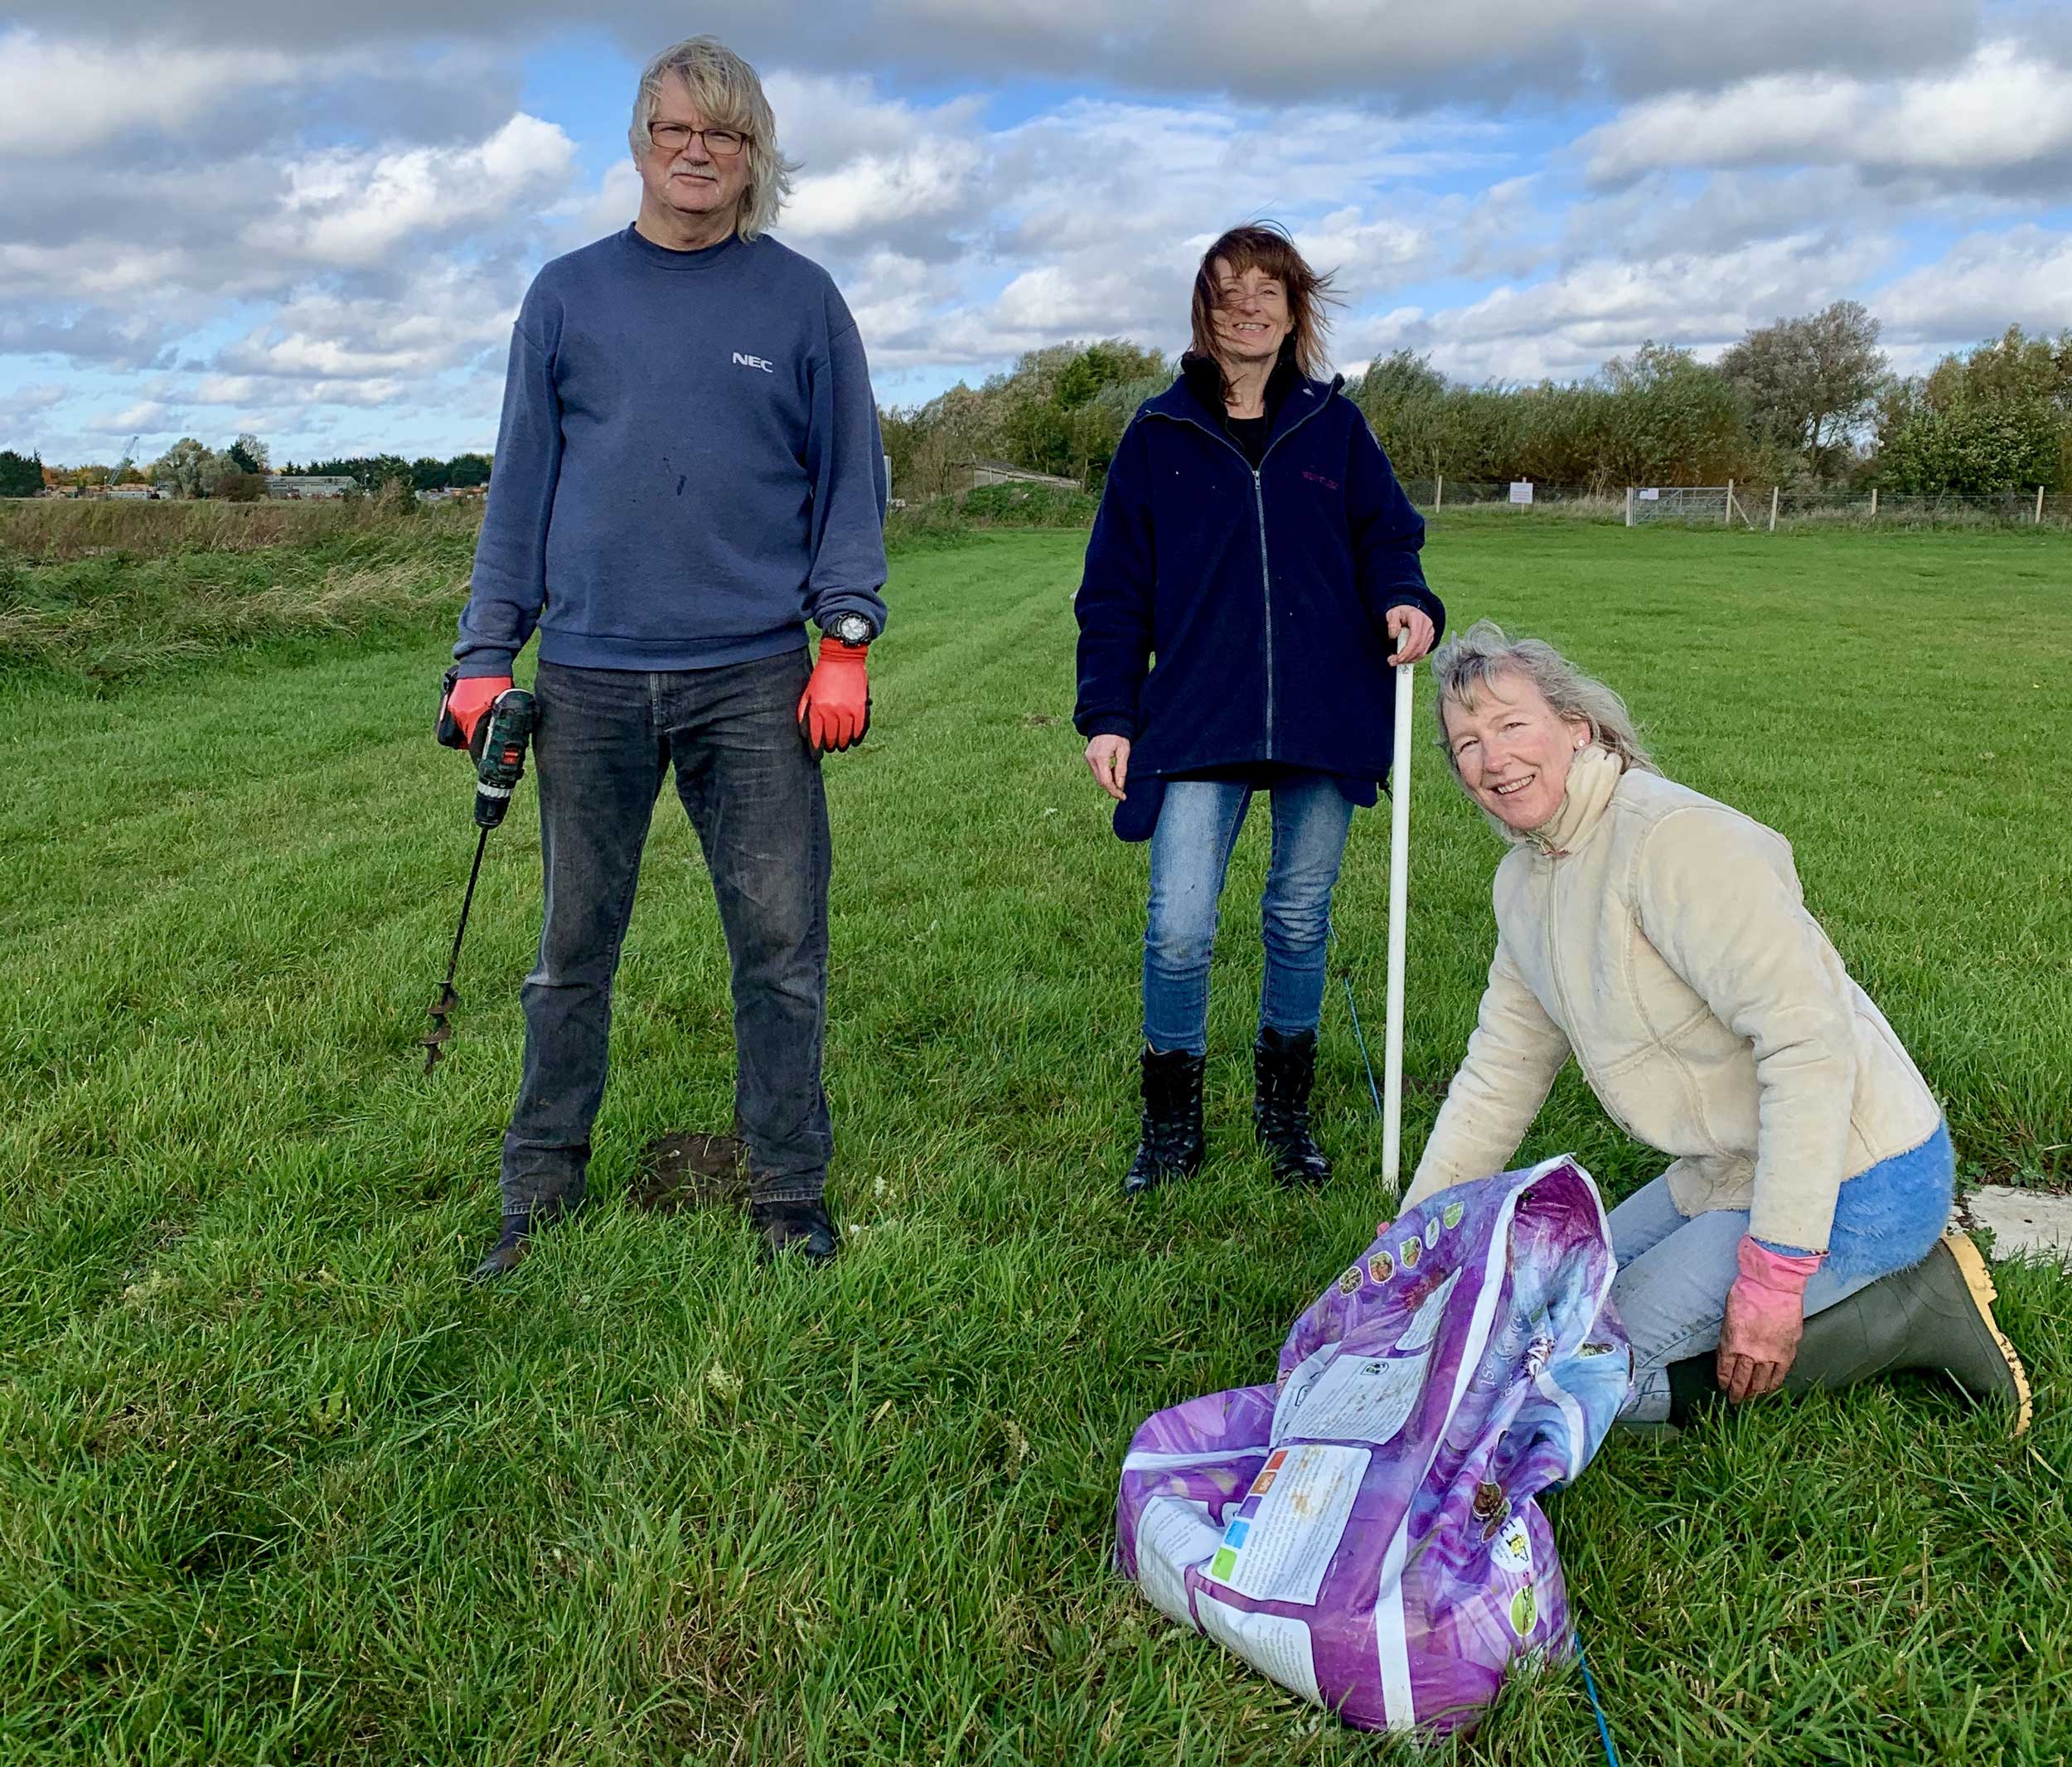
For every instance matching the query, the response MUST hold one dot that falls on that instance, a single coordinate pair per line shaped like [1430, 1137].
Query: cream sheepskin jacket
[1662, 939]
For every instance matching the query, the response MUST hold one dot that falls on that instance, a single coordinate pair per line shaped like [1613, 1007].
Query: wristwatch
[850, 628]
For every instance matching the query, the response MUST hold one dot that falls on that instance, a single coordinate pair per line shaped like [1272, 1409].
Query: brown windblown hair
[1264, 245]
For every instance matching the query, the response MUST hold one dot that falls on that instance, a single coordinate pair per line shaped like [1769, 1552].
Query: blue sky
[317, 225]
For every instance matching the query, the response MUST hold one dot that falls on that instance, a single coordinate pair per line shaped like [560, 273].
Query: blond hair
[1463, 665]
[728, 94]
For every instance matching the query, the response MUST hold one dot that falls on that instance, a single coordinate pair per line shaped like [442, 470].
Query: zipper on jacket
[1560, 992]
[1259, 504]
[1266, 580]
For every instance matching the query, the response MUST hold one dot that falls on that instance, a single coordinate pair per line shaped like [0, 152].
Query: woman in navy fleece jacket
[1253, 569]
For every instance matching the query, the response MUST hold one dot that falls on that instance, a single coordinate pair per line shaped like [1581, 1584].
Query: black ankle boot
[1171, 1142]
[1286, 1069]
[516, 1233]
[803, 1227]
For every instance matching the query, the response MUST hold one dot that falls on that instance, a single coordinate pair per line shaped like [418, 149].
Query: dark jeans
[604, 743]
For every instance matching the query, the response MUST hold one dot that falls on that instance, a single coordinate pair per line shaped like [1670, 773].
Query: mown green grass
[275, 1485]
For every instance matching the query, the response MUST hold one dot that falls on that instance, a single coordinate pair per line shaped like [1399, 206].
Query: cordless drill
[501, 738]
[502, 735]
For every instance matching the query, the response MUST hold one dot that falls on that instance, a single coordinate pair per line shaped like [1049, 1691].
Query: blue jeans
[1191, 847]
[605, 742]
[1674, 1270]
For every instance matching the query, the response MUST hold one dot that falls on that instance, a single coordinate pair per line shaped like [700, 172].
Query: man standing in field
[688, 469]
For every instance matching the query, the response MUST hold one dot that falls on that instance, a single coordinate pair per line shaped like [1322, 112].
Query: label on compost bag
[1280, 1544]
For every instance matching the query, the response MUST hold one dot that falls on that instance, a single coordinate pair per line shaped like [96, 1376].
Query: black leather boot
[1170, 1144]
[803, 1227]
[1284, 1068]
[516, 1233]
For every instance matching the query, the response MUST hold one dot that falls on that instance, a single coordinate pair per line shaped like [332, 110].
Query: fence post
[1874, 502]
[2039, 506]
[1629, 505]
[1772, 509]
[1727, 519]
[1439, 497]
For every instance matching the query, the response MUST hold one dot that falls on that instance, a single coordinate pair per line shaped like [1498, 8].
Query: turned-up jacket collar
[1592, 775]
[1196, 395]
[1203, 376]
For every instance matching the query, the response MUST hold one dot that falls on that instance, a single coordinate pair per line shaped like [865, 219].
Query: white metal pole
[1773, 508]
[1874, 502]
[2039, 506]
[1438, 501]
[1629, 505]
[1727, 519]
[1399, 928]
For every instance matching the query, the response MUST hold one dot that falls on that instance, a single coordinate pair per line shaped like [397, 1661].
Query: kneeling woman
[1661, 939]
[1252, 572]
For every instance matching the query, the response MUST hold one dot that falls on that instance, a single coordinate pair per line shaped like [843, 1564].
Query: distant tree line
[1809, 401]
[238, 473]
[370, 471]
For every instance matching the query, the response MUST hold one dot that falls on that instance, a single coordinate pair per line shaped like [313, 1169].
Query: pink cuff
[1776, 1272]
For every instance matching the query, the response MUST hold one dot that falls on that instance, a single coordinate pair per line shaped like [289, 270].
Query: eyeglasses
[673, 137]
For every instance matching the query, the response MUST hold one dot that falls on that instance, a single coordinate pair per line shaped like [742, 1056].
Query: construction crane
[127, 461]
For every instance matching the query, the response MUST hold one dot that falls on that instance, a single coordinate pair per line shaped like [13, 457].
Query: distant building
[280, 485]
[132, 494]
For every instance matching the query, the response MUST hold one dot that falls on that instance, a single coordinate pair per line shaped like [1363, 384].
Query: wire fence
[1765, 507]
[1759, 506]
[1441, 494]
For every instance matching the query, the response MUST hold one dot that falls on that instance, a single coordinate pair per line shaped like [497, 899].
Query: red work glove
[472, 698]
[1765, 1318]
[834, 709]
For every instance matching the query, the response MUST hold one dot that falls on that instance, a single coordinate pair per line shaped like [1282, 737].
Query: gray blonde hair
[1463, 666]
[729, 95]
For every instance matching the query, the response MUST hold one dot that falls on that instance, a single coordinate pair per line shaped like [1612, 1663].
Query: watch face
[852, 628]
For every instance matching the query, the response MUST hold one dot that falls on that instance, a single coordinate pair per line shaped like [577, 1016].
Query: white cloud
[1403, 55]
[1567, 325]
[30, 400]
[2004, 113]
[358, 221]
[448, 315]
[149, 415]
[880, 191]
[60, 97]
[356, 209]
[1986, 282]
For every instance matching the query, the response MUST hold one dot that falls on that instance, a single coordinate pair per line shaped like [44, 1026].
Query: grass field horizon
[275, 1484]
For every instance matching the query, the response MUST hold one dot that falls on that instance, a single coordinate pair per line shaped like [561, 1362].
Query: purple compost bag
[1364, 1531]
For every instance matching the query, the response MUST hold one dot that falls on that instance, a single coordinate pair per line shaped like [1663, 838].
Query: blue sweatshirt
[688, 464]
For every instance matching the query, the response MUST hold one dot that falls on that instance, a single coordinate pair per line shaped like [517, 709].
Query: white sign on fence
[1521, 491]
[1652, 494]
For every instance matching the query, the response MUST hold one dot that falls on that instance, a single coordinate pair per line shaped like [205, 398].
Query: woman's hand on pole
[1108, 759]
[1411, 633]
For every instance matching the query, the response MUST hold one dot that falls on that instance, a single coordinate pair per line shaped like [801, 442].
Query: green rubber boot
[1936, 1317]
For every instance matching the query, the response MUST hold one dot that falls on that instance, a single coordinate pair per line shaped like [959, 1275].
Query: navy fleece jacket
[688, 464]
[1227, 615]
